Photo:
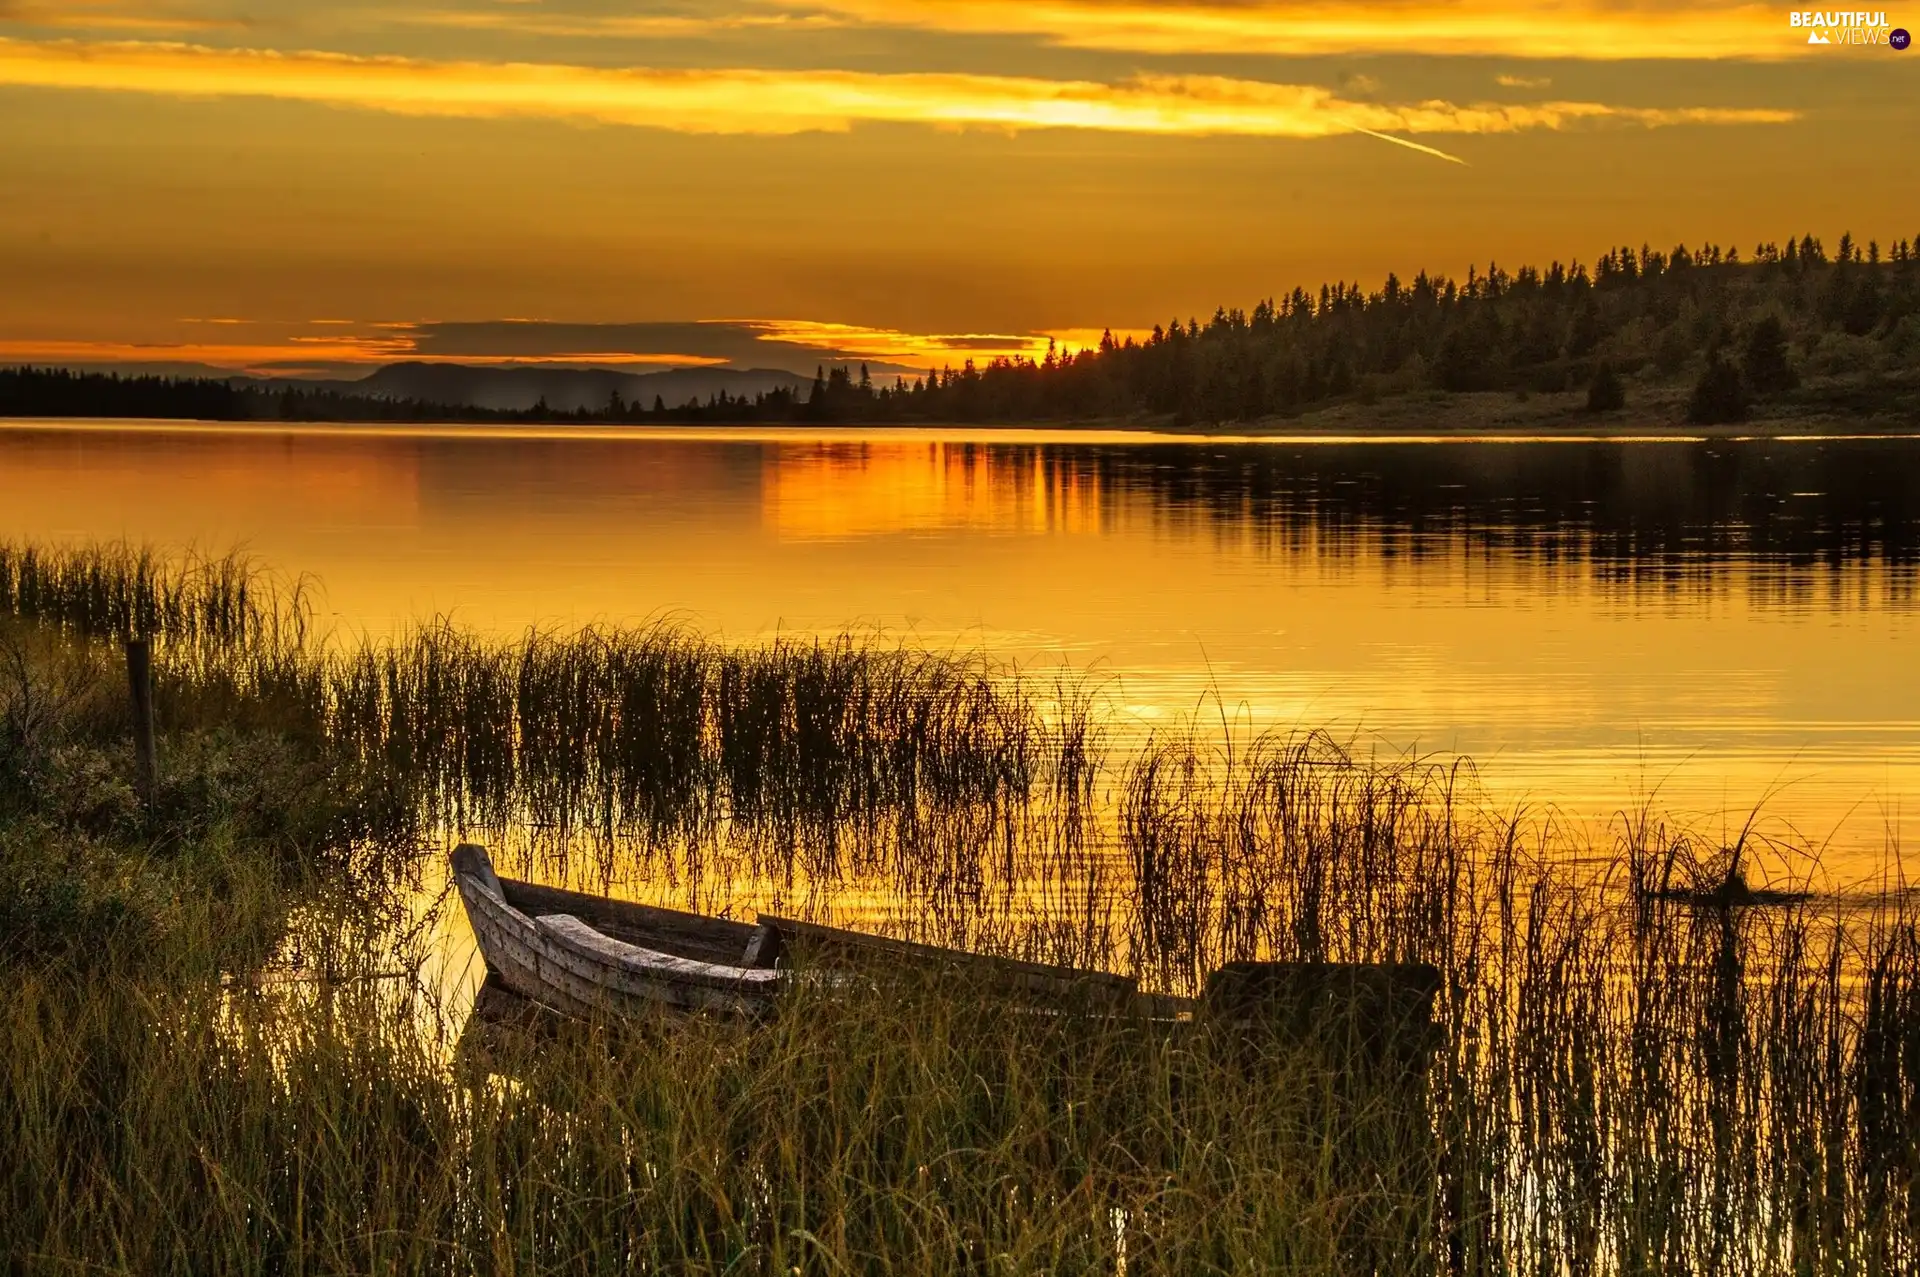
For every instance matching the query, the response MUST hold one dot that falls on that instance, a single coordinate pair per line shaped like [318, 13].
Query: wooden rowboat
[590, 955]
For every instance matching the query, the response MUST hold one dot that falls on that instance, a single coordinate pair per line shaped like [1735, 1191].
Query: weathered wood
[835, 943]
[687, 935]
[762, 948]
[471, 859]
[648, 965]
[1164, 1007]
[140, 692]
[590, 955]
[563, 962]
[596, 981]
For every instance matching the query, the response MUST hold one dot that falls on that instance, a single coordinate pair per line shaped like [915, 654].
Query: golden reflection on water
[829, 491]
[1667, 643]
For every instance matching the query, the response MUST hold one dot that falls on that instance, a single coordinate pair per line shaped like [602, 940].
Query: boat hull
[563, 963]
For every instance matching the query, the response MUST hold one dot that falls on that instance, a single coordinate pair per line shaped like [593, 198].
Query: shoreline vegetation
[1788, 338]
[224, 1048]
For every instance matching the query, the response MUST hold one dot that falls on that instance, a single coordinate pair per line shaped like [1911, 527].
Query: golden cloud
[232, 355]
[109, 15]
[927, 350]
[776, 102]
[1585, 30]
[920, 350]
[891, 348]
[271, 356]
[637, 26]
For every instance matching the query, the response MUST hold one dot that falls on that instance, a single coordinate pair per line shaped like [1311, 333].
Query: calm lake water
[1731, 622]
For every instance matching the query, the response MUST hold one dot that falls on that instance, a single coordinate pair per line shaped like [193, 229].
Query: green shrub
[1673, 349]
[1841, 354]
[1904, 338]
[61, 905]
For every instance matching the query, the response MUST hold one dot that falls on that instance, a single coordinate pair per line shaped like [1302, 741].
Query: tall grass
[116, 590]
[661, 732]
[655, 734]
[1730, 1094]
[920, 1134]
[1627, 1082]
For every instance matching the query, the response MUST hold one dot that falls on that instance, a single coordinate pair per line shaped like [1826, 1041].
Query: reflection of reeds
[1630, 1080]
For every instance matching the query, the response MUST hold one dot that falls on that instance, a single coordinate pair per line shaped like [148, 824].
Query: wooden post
[140, 686]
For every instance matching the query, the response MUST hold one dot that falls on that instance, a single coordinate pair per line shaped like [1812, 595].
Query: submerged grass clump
[204, 1065]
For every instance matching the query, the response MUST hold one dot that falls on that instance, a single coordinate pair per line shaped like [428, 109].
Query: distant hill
[564, 389]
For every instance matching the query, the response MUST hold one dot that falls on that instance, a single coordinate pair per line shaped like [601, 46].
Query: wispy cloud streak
[110, 15]
[776, 102]
[1601, 30]
[1572, 29]
[796, 345]
[635, 26]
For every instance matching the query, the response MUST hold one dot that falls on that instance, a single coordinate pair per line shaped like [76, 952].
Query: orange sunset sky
[325, 184]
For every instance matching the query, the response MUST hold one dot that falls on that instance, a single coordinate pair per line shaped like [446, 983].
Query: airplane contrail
[1411, 146]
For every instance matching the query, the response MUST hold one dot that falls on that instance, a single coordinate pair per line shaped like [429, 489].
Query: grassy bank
[1655, 405]
[924, 1134]
[219, 1051]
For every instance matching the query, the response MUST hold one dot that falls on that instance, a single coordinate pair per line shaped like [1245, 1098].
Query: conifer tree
[1765, 363]
[1720, 396]
[1605, 393]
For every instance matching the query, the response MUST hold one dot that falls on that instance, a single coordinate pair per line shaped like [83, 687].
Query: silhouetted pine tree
[1720, 396]
[1765, 364]
[1604, 392]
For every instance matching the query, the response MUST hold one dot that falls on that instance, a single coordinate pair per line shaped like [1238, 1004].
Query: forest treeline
[61, 392]
[1732, 331]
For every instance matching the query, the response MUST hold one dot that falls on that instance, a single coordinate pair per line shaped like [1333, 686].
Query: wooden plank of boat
[835, 944]
[686, 935]
[562, 961]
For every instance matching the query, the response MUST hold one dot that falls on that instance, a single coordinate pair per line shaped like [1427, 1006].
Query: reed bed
[924, 1134]
[1627, 1081]
[1727, 1095]
[654, 735]
[662, 733]
[116, 590]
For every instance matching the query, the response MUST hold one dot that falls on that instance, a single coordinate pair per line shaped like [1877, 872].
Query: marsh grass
[663, 734]
[113, 590]
[339, 1125]
[1627, 1082]
[926, 1134]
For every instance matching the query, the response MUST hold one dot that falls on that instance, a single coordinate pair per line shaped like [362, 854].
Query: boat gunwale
[564, 962]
